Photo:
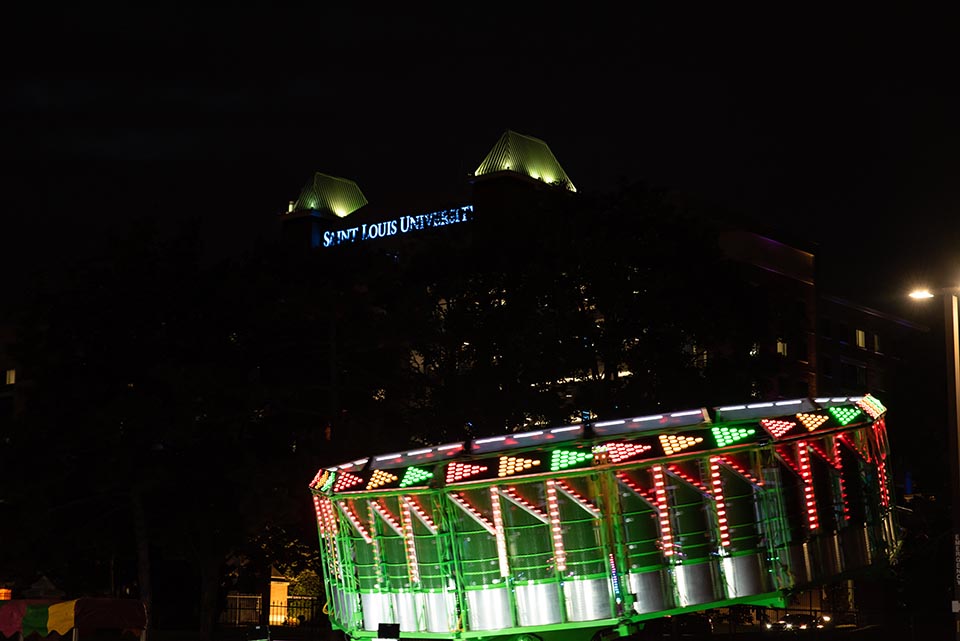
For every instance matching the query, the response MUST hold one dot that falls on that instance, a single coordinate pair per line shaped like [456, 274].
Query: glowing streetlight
[953, 424]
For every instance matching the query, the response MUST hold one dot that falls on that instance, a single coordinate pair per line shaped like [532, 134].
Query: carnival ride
[586, 531]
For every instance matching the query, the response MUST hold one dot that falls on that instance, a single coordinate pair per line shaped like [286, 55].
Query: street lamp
[953, 425]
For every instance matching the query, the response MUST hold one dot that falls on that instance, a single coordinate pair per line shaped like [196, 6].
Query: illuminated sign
[395, 226]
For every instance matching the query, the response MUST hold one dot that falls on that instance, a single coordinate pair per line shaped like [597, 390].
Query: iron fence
[296, 611]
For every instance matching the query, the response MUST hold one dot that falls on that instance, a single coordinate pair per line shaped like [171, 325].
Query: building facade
[798, 341]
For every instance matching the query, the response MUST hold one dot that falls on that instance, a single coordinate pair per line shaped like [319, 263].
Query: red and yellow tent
[45, 617]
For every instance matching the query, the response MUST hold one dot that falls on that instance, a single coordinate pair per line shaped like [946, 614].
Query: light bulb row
[498, 532]
[660, 492]
[716, 486]
[809, 499]
[672, 443]
[459, 471]
[406, 522]
[511, 465]
[355, 521]
[556, 530]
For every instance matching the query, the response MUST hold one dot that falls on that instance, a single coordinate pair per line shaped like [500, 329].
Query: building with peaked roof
[332, 211]
[322, 201]
[522, 155]
[521, 173]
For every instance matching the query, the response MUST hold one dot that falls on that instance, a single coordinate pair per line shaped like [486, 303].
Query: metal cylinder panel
[440, 611]
[537, 604]
[378, 608]
[855, 544]
[696, 583]
[489, 608]
[409, 609]
[798, 561]
[345, 606]
[890, 535]
[339, 613]
[651, 591]
[745, 575]
[587, 599]
[829, 562]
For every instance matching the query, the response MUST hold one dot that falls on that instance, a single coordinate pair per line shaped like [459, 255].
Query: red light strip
[716, 486]
[809, 498]
[327, 515]
[500, 536]
[660, 492]
[851, 440]
[880, 432]
[553, 508]
[689, 479]
[733, 465]
[321, 521]
[826, 457]
[788, 461]
[355, 521]
[579, 500]
[406, 521]
[843, 486]
[634, 487]
[472, 512]
[390, 519]
[421, 514]
[510, 494]
[882, 478]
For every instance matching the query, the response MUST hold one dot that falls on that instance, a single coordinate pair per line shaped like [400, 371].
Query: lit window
[11, 376]
[876, 343]
[699, 357]
[781, 347]
[861, 338]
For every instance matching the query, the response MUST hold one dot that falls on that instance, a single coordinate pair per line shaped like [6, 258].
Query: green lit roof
[524, 155]
[338, 196]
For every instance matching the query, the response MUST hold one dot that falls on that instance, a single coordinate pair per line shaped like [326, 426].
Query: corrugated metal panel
[524, 155]
[338, 196]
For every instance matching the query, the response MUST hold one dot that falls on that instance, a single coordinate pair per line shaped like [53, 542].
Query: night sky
[842, 128]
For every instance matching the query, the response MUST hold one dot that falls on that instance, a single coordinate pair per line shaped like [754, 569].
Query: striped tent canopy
[527, 156]
[45, 617]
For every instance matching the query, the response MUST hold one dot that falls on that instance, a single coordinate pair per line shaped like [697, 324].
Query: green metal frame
[590, 542]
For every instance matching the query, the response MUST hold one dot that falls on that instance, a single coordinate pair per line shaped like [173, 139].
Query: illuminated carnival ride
[591, 529]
